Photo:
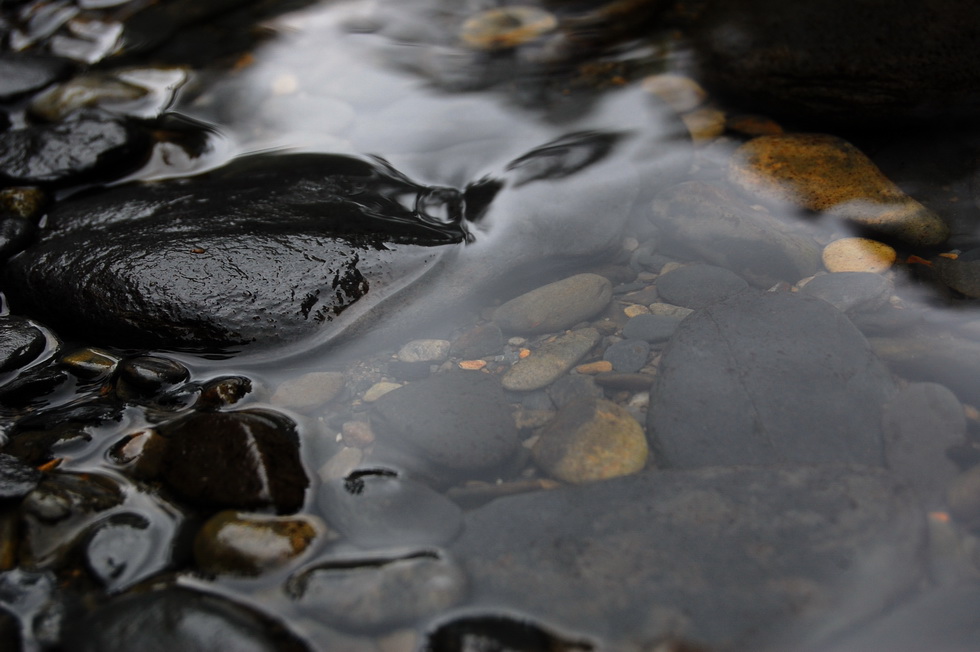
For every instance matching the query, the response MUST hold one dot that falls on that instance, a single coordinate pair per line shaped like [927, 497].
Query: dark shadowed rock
[20, 342]
[713, 555]
[16, 478]
[696, 286]
[766, 378]
[87, 144]
[868, 60]
[177, 619]
[243, 459]
[268, 247]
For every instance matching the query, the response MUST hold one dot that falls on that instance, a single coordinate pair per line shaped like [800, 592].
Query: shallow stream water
[843, 542]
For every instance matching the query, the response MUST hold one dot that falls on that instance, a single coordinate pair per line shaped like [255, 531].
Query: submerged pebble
[858, 255]
[851, 291]
[20, 342]
[556, 306]
[309, 390]
[457, 422]
[589, 440]
[507, 27]
[628, 356]
[829, 175]
[550, 361]
[24, 73]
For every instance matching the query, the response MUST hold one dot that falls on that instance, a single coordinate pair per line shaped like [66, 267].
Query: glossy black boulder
[266, 248]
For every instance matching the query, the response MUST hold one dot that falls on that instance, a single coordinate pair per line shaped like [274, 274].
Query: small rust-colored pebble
[524, 353]
[472, 365]
[597, 367]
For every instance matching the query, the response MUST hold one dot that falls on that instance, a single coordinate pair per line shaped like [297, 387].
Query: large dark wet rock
[764, 378]
[25, 73]
[87, 145]
[716, 556]
[846, 60]
[266, 247]
[177, 619]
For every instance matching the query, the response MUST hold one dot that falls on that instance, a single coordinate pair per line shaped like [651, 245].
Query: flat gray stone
[550, 361]
[851, 291]
[717, 556]
[766, 378]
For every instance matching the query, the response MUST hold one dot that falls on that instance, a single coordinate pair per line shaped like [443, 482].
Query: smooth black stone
[379, 510]
[31, 386]
[268, 248]
[24, 73]
[89, 144]
[176, 619]
[457, 421]
[716, 556]
[244, 459]
[20, 343]
[4, 121]
[39, 446]
[628, 356]
[16, 478]
[152, 374]
[697, 286]
[844, 61]
[10, 638]
[651, 328]
[15, 234]
[768, 378]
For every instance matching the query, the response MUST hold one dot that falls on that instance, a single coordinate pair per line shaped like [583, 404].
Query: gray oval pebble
[651, 328]
[556, 306]
[627, 356]
[697, 286]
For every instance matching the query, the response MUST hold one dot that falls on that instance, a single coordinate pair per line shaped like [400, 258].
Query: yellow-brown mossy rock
[827, 174]
[590, 440]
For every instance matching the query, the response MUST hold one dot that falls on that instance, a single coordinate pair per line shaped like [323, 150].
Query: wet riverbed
[455, 326]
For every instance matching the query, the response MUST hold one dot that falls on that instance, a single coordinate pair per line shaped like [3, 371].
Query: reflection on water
[425, 432]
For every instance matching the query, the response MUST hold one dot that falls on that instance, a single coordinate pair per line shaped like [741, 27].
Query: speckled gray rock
[550, 361]
[715, 555]
[717, 226]
[424, 351]
[458, 421]
[627, 356]
[573, 386]
[556, 306]
[697, 286]
[651, 328]
[920, 424]
[851, 291]
[767, 378]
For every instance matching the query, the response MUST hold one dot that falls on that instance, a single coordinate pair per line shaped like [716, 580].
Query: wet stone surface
[652, 564]
[813, 385]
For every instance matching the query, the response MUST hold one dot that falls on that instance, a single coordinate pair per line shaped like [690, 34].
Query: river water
[856, 533]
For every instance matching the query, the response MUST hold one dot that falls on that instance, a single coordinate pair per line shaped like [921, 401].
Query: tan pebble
[677, 91]
[635, 309]
[285, 85]
[669, 310]
[531, 419]
[341, 464]
[592, 368]
[963, 497]
[704, 124]
[472, 365]
[309, 390]
[378, 390]
[754, 125]
[630, 244]
[827, 174]
[506, 27]
[669, 267]
[357, 434]
[858, 255]
[524, 353]
[971, 412]
[517, 341]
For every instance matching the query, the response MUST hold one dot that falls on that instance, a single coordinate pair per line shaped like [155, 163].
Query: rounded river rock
[767, 378]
